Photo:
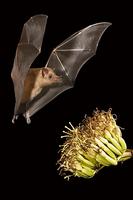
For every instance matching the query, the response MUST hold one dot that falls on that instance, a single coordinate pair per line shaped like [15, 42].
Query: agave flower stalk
[97, 142]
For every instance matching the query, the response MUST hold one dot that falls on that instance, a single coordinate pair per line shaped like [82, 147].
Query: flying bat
[36, 87]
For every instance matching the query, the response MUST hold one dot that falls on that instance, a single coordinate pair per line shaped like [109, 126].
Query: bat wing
[27, 50]
[67, 59]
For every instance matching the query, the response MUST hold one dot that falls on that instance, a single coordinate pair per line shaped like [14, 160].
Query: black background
[29, 152]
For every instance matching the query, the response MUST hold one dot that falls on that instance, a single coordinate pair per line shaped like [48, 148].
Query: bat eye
[50, 76]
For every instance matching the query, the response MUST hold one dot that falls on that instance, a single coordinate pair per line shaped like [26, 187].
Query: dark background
[29, 152]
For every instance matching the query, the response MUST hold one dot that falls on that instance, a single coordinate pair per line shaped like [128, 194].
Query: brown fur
[36, 80]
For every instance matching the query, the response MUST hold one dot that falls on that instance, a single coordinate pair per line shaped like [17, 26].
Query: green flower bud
[97, 142]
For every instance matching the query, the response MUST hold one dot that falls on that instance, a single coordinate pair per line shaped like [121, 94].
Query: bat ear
[45, 71]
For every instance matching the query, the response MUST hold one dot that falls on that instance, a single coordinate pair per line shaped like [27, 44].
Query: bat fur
[36, 80]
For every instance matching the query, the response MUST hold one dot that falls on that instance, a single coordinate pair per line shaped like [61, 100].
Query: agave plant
[97, 142]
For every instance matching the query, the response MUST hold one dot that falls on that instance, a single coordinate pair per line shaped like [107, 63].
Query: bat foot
[28, 120]
[15, 117]
[27, 117]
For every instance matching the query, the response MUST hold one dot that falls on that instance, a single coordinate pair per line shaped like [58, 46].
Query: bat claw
[15, 117]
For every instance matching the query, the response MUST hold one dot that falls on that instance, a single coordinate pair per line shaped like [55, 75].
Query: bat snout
[58, 79]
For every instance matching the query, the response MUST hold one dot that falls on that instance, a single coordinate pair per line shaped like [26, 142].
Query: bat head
[49, 76]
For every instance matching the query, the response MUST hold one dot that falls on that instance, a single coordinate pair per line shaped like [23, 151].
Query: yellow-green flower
[97, 142]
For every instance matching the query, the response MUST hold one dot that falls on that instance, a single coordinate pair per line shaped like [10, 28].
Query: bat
[36, 87]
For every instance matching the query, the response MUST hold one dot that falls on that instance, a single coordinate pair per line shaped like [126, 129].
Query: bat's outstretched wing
[27, 50]
[67, 59]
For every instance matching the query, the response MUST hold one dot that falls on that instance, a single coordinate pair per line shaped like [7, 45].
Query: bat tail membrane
[29, 47]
